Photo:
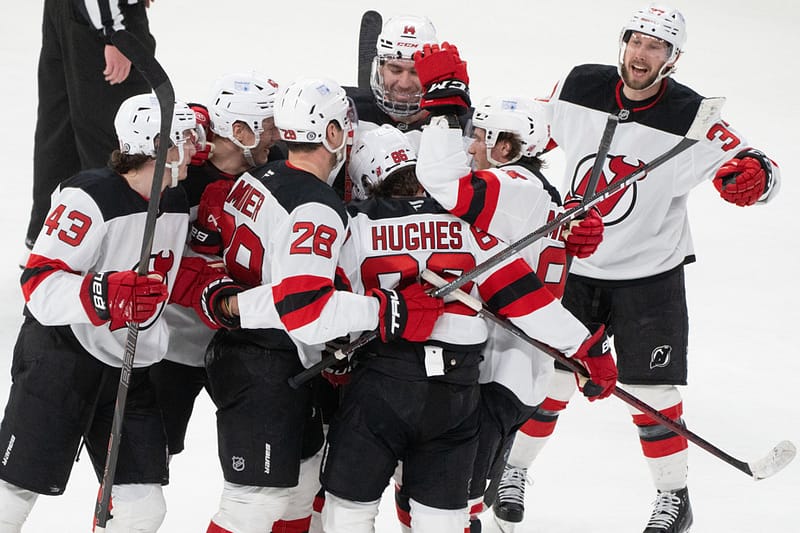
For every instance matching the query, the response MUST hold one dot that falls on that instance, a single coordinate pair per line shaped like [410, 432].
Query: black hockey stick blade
[154, 74]
[777, 459]
[707, 114]
[371, 24]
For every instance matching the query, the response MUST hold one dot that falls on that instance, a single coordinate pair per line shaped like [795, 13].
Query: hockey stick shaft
[707, 114]
[151, 71]
[371, 24]
[672, 425]
[597, 168]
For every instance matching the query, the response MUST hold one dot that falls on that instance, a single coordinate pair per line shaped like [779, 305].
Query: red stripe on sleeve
[301, 299]
[38, 269]
[484, 218]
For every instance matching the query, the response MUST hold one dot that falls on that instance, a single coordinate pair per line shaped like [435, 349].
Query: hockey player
[283, 229]
[80, 289]
[419, 401]
[635, 281]
[239, 118]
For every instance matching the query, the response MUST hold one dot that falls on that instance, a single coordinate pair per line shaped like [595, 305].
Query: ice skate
[509, 508]
[672, 512]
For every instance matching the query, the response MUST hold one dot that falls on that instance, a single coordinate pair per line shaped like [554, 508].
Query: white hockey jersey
[96, 224]
[283, 230]
[647, 224]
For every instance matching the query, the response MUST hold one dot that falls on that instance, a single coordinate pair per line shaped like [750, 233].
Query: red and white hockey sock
[402, 506]
[666, 452]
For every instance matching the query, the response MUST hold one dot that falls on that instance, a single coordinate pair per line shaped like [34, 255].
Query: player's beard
[635, 84]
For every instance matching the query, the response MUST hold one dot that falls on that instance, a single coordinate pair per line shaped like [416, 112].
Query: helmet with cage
[399, 39]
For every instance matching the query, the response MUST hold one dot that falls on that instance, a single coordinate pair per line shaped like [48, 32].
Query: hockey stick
[371, 24]
[707, 114]
[777, 458]
[151, 71]
[599, 161]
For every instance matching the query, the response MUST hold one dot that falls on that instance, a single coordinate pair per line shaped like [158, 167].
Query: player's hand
[584, 235]
[205, 236]
[743, 179]
[122, 296]
[595, 354]
[215, 306]
[338, 373]
[444, 77]
[408, 314]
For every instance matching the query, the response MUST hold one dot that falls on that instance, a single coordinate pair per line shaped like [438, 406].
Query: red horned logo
[615, 169]
[163, 262]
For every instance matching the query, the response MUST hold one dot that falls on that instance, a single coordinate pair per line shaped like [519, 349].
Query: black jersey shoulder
[198, 177]
[598, 87]
[293, 187]
[378, 208]
[115, 198]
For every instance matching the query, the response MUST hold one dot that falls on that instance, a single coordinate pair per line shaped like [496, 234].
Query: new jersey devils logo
[661, 356]
[618, 206]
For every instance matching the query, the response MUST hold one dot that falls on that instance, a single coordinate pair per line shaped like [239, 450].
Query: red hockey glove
[122, 296]
[595, 354]
[744, 179]
[444, 77]
[205, 237]
[338, 373]
[408, 314]
[584, 235]
[214, 309]
[203, 119]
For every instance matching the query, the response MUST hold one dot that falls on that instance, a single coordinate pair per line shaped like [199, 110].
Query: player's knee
[245, 509]
[15, 505]
[136, 508]
[345, 516]
[659, 397]
[426, 519]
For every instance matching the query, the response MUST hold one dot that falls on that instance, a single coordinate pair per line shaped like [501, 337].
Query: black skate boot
[672, 512]
[509, 509]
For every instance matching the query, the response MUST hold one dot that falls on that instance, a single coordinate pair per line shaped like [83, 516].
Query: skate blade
[775, 461]
[505, 527]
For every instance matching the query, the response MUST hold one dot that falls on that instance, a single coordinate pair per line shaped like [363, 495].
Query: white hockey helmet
[662, 22]
[304, 109]
[240, 97]
[377, 154]
[520, 116]
[400, 38]
[138, 123]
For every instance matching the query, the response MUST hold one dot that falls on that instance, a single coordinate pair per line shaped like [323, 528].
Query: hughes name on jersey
[392, 240]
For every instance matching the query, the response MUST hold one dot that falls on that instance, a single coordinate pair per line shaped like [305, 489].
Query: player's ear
[333, 133]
